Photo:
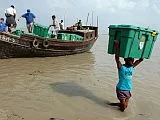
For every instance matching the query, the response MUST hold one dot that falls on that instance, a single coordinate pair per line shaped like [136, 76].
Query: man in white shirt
[61, 24]
[10, 14]
[55, 25]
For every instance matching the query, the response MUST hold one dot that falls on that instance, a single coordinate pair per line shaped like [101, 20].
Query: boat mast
[87, 19]
[97, 22]
[92, 18]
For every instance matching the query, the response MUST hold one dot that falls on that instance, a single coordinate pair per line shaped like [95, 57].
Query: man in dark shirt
[79, 25]
[29, 20]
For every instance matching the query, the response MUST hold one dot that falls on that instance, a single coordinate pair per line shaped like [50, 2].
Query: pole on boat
[87, 19]
[92, 18]
[97, 22]
[65, 19]
[64, 22]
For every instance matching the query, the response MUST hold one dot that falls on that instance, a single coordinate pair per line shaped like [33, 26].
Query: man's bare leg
[127, 100]
[122, 105]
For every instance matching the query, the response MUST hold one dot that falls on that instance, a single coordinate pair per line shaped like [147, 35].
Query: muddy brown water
[76, 87]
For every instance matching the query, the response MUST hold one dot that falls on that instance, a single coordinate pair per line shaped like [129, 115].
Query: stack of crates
[40, 30]
[74, 37]
[69, 37]
[63, 36]
[135, 42]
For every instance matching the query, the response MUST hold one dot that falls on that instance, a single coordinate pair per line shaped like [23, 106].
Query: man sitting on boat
[10, 14]
[3, 27]
[55, 26]
[30, 19]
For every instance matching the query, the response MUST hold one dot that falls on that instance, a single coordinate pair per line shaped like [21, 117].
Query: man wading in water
[125, 71]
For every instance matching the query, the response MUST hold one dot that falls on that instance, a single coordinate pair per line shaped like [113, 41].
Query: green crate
[80, 38]
[63, 36]
[45, 31]
[18, 32]
[73, 37]
[135, 42]
[40, 30]
[36, 29]
[49, 35]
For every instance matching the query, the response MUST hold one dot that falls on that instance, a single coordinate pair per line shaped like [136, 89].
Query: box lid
[131, 27]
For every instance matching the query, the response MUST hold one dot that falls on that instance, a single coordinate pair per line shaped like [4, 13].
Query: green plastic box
[73, 37]
[135, 42]
[18, 32]
[35, 29]
[80, 38]
[63, 36]
[43, 31]
[49, 35]
[40, 30]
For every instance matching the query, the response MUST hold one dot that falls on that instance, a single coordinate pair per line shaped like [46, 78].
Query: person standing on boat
[3, 27]
[30, 19]
[61, 24]
[10, 14]
[79, 25]
[55, 26]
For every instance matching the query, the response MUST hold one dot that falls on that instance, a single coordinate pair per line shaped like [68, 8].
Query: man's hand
[137, 62]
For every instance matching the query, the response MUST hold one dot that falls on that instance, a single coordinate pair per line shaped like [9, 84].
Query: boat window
[87, 36]
[91, 35]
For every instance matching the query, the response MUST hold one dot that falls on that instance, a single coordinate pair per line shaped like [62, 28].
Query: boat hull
[15, 50]
[29, 45]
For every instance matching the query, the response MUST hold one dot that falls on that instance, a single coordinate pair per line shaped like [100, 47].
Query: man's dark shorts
[10, 21]
[123, 94]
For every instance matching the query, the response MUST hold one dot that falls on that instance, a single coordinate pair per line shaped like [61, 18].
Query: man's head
[53, 17]
[61, 21]
[12, 6]
[28, 10]
[129, 61]
[1, 19]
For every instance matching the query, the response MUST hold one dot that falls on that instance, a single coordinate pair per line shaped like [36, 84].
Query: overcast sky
[136, 12]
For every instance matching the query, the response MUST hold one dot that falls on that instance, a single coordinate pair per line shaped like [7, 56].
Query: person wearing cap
[3, 27]
[10, 14]
[30, 19]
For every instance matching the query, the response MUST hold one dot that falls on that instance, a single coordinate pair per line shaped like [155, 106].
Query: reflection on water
[75, 87]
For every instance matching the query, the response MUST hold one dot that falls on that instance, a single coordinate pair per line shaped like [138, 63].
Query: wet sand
[76, 87]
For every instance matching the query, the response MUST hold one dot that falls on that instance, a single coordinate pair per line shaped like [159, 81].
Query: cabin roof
[85, 31]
